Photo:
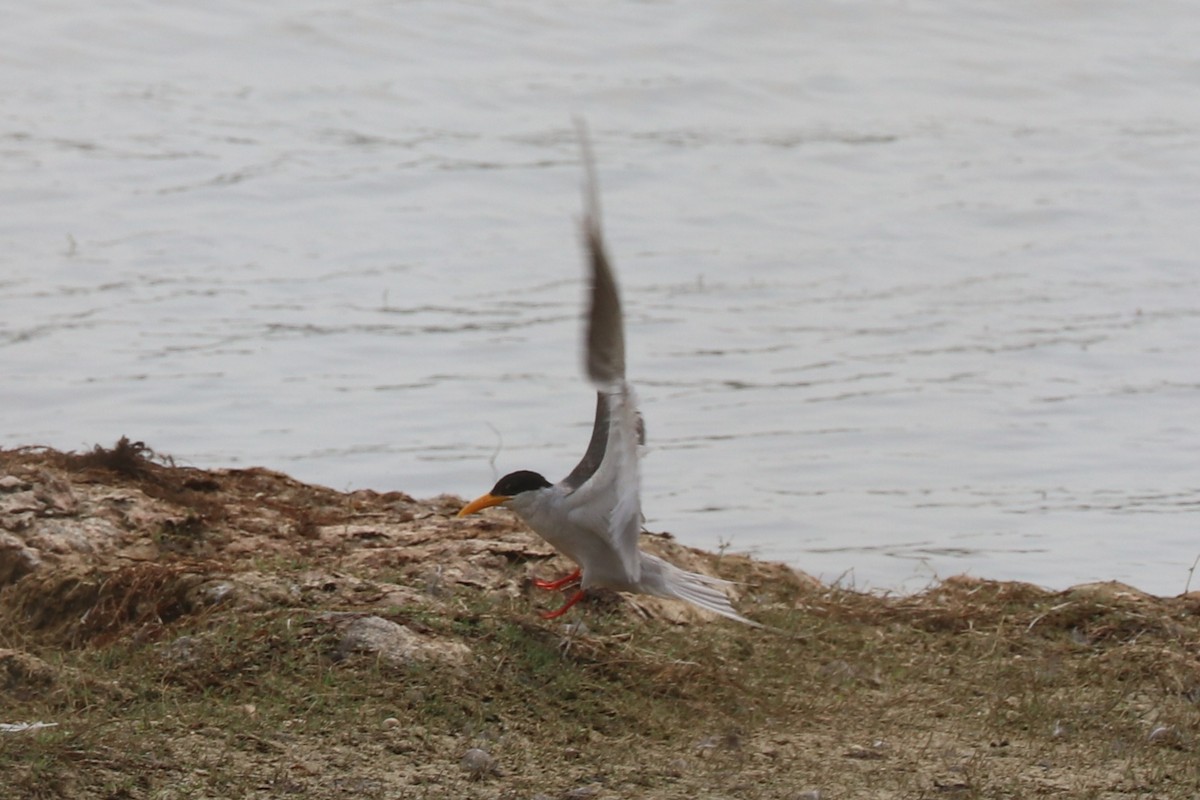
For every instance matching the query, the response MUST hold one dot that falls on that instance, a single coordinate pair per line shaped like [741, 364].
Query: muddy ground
[190, 633]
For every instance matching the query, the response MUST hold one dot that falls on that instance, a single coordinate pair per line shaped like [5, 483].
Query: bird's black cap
[514, 483]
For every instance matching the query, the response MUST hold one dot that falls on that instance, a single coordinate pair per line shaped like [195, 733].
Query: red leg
[575, 598]
[558, 584]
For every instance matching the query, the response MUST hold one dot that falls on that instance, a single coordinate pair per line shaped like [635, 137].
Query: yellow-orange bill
[480, 503]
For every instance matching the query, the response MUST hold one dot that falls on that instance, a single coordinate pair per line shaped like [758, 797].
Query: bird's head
[512, 488]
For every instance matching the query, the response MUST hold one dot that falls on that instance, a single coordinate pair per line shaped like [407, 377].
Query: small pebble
[477, 762]
[864, 753]
[391, 722]
[1164, 733]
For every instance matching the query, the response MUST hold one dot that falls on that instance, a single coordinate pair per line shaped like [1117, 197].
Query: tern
[594, 516]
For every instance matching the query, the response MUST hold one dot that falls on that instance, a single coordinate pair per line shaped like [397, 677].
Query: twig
[499, 447]
[1191, 571]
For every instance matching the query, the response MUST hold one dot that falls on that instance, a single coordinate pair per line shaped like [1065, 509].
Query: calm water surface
[912, 288]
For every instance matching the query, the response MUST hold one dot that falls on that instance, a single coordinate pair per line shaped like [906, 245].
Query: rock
[186, 650]
[210, 593]
[16, 560]
[23, 502]
[1165, 734]
[477, 763]
[1110, 591]
[55, 492]
[69, 536]
[396, 645]
[11, 483]
[23, 674]
[233, 593]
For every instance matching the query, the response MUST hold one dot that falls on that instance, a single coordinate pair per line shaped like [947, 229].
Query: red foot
[558, 584]
[575, 598]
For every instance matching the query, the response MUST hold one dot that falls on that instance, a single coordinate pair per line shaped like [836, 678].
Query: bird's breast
[584, 544]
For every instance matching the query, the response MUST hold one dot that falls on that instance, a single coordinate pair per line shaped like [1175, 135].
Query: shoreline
[235, 632]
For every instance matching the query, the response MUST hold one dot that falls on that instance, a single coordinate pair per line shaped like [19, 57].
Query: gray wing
[606, 481]
[604, 341]
[604, 352]
[590, 462]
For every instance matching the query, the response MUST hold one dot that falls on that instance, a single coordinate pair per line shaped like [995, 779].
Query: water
[912, 288]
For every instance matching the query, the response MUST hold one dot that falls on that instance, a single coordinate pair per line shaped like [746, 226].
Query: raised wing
[604, 353]
[598, 445]
[590, 462]
[606, 485]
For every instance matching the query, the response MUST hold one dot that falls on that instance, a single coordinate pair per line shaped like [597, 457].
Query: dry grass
[970, 690]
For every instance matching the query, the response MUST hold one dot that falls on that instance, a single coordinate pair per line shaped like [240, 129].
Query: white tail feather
[663, 579]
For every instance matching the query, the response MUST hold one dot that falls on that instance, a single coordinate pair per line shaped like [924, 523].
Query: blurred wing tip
[591, 192]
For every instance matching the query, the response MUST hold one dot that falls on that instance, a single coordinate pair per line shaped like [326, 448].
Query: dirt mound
[119, 537]
[237, 633]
